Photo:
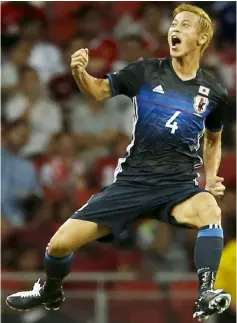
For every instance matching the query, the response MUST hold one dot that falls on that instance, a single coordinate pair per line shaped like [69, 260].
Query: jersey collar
[192, 81]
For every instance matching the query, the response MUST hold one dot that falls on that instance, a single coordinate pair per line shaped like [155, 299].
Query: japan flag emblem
[200, 104]
[204, 90]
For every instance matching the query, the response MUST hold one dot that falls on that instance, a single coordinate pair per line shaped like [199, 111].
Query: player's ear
[202, 39]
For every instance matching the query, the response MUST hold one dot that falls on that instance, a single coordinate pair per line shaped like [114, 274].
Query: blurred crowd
[59, 148]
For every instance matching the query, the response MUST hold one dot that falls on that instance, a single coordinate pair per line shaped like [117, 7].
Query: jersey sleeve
[129, 80]
[215, 120]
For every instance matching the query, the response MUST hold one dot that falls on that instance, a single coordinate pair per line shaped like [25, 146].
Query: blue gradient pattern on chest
[155, 110]
[172, 100]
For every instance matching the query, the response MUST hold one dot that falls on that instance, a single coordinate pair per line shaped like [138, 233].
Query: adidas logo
[158, 89]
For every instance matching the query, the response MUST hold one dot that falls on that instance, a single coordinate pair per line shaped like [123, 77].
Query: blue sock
[56, 270]
[207, 255]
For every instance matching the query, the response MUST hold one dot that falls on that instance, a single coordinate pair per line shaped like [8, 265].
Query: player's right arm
[97, 89]
[127, 81]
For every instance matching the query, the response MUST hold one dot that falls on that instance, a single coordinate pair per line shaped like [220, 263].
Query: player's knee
[209, 212]
[58, 247]
[213, 214]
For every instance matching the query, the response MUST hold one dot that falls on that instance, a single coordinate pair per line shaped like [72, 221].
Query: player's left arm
[212, 159]
[212, 148]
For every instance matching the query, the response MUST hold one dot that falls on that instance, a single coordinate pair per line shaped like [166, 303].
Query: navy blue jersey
[170, 117]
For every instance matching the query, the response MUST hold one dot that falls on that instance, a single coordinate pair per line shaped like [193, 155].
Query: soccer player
[175, 103]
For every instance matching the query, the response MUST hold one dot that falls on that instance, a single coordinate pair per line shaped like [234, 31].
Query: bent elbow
[96, 97]
[100, 98]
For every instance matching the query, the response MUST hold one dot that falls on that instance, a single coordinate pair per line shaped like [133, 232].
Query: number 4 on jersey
[174, 125]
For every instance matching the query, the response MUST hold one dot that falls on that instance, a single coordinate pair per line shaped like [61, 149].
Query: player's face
[183, 36]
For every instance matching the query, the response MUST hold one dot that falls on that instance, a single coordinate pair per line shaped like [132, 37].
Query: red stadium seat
[137, 285]
[137, 311]
[182, 298]
[133, 310]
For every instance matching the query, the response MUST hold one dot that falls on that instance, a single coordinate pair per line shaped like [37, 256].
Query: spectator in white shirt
[45, 57]
[43, 115]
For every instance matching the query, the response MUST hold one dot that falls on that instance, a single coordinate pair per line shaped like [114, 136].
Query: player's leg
[111, 209]
[71, 235]
[203, 212]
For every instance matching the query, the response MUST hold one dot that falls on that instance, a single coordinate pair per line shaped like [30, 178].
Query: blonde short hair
[205, 22]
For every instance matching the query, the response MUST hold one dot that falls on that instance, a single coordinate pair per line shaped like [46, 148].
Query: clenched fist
[79, 60]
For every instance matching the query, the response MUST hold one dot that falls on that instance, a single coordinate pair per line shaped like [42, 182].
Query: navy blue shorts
[121, 204]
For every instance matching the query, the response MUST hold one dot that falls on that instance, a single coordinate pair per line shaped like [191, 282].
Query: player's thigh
[109, 211]
[198, 210]
[116, 207]
[73, 234]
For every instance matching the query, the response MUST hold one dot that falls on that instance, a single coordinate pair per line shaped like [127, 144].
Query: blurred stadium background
[59, 148]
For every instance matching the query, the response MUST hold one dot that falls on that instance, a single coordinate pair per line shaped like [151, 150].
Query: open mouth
[175, 41]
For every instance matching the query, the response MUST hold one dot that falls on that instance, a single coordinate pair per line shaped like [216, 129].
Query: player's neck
[186, 67]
